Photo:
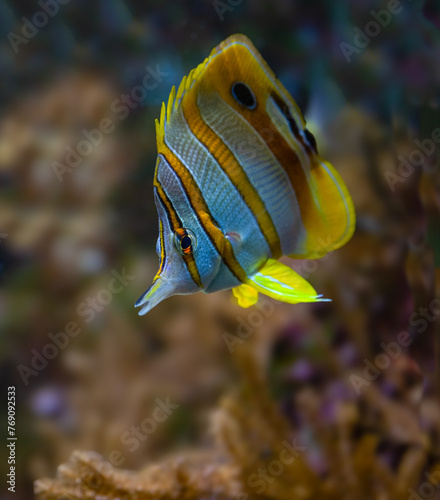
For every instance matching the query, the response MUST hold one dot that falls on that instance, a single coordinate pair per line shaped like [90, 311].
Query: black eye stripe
[244, 95]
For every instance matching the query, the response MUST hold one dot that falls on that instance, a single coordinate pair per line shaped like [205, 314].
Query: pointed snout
[158, 291]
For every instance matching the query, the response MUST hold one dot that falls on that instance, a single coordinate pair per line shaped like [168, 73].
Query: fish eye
[185, 241]
[244, 95]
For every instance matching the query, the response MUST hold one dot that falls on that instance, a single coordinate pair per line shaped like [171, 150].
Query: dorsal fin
[175, 97]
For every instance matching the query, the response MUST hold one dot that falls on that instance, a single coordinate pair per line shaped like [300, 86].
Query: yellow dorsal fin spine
[160, 126]
[180, 90]
[185, 85]
[170, 102]
[189, 80]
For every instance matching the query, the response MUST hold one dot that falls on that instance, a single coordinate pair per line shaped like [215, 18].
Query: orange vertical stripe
[176, 223]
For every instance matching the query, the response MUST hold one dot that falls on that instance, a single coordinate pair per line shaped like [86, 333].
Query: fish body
[239, 183]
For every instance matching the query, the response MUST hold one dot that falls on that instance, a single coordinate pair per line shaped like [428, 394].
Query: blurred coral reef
[244, 382]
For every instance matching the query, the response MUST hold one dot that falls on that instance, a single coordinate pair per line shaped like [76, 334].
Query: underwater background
[200, 398]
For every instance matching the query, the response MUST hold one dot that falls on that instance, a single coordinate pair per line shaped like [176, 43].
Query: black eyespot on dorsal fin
[244, 95]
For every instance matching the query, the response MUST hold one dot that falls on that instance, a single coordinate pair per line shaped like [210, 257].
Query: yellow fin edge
[280, 282]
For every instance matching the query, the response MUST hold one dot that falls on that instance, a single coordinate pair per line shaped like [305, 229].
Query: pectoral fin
[282, 283]
[246, 295]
